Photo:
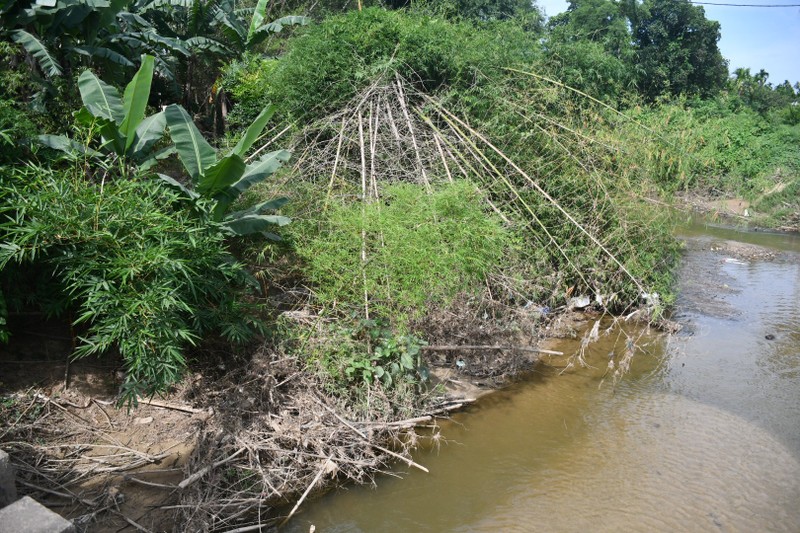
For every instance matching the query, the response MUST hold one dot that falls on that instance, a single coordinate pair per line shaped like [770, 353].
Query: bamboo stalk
[335, 163]
[363, 213]
[544, 193]
[402, 99]
[307, 491]
[444, 160]
[455, 347]
[205, 470]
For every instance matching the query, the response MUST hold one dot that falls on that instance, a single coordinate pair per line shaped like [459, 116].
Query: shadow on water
[702, 435]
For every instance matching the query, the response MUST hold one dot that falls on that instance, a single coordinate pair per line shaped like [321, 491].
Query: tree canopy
[667, 46]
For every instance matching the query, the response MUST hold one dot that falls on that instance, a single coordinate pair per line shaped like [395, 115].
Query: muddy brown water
[702, 435]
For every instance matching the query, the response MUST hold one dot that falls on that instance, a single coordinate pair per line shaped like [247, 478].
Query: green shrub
[337, 58]
[142, 274]
[791, 115]
[720, 150]
[420, 248]
[247, 81]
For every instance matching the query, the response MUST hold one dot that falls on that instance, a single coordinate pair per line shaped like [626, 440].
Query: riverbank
[236, 440]
[202, 450]
[740, 211]
[670, 448]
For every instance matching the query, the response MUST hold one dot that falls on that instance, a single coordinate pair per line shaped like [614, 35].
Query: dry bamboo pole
[444, 160]
[363, 213]
[401, 98]
[395, 131]
[566, 150]
[269, 142]
[456, 347]
[593, 99]
[373, 144]
[307, 491]
[541, 191]
[457, 130]
[205, 470]
[335, 165]
[436, 135]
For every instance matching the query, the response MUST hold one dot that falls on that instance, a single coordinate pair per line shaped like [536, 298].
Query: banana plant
[223, 180]
[243, 36]
[121, 120]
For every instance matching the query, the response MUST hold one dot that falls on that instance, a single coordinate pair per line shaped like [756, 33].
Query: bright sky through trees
[752, 37]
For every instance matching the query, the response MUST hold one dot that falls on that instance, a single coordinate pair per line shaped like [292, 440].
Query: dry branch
[456, 347]
[365, 438]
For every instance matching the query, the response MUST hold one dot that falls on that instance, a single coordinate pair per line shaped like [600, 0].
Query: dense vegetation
[442, 150]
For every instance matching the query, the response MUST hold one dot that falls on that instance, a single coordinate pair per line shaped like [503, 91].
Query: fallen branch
[172, 406]
[406, 460]
[455, 347]
[308, 490]
[205, 470]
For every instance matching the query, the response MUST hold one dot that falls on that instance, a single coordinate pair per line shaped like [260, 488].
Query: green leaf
[39, 51]
[102, 100]
[276, 26]
[254, 130]
[204, 44]
[254, 223]
[134, 101]
[265, 166]
[164, 153]
[231, 26]
[65, 144]
[195, 152]
[259, 209]
[112, 140]
[172, 182]
[258, 18]
[406, 361]
[105, 53]
[255, 173]
[149, 131]
[84, 117]
[221, 175]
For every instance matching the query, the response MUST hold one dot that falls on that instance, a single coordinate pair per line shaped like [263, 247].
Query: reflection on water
[704, 434]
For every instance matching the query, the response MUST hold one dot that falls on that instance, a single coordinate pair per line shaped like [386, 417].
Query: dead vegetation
[219, 454]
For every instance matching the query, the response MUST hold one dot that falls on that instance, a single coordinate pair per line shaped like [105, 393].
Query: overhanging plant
[223, 180]
[120, 119]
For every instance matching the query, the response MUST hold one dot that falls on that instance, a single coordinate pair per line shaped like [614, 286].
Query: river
[702, 435]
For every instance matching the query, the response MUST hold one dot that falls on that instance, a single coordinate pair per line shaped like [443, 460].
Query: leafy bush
[143, 275]
[394, 358]
[247, 81]
[791, 115]
[419, 248]
[337, 58]
[714, 148]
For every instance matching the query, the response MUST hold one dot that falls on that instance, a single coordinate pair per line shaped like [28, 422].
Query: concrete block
[8, 488]
[30, 516]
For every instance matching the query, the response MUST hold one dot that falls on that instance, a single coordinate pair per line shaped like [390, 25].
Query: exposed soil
[739, 210]
[227, 448]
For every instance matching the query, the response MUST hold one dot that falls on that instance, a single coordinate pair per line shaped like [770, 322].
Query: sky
[752, 37]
